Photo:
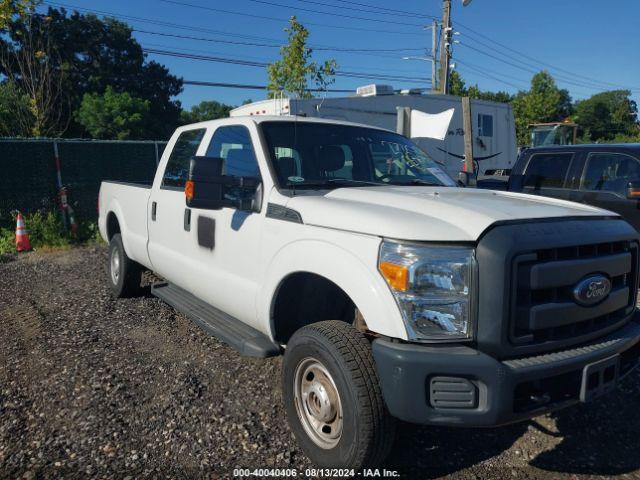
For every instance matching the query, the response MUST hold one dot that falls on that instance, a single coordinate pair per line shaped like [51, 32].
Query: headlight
[433, 288]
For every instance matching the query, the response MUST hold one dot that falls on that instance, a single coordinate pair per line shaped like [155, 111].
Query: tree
[12, 8]
[92, 54]
[544, 102]
[30, 60]
[113, 116]
[457, 86]
[292, 73]
[16, 119]
[606, 115]
[206, 110]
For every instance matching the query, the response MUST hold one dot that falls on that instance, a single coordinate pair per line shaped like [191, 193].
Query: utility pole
[445, 46]
[434, 55]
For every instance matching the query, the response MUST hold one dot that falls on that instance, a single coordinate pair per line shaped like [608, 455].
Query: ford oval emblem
[591, 290]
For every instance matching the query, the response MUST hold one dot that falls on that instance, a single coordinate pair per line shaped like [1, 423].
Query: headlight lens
[432, 286]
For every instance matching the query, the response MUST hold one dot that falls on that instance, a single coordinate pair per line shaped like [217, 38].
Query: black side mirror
[206, 185]
[633, 190]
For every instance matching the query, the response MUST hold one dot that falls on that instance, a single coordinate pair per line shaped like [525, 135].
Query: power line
[281, 20]
[531, 70]
[390, 11]
[542, 62]
[360, 9]
[255, 87]
[332, 14]
[278, 45]
[249, 63]
[487, 75]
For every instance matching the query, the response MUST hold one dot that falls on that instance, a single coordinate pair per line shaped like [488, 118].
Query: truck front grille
[543, 309]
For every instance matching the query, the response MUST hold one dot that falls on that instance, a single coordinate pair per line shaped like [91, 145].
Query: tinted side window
[547, 170]
[233, 143]
[485, 125]
[610, 171]
[175, 174]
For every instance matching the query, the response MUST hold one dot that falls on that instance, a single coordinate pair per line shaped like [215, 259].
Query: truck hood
[428, 213]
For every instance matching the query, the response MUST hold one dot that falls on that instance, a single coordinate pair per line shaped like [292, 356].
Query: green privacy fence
[28, 173]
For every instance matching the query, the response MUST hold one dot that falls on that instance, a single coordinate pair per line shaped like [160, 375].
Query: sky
[588, 45]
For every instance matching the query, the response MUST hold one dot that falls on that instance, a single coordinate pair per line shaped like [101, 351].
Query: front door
[224, 244]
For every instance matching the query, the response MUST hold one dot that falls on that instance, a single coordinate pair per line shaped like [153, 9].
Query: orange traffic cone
[22, 238]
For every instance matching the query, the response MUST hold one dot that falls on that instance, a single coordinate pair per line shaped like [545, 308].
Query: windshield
[321, 155]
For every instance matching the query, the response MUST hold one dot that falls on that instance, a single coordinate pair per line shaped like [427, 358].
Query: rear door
[604, 183]
[547, 172]
[169, 234]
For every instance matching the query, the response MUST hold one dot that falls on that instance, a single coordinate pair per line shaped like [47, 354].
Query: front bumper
[457, 385]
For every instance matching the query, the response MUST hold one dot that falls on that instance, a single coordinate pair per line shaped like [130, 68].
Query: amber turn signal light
[397, 276]
[189, 187]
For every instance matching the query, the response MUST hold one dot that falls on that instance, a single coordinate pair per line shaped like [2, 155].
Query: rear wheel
[332, 397]
[125, 275]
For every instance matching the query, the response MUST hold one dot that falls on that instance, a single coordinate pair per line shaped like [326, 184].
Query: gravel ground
[96, 387]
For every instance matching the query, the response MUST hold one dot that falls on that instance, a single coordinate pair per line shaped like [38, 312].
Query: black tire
[367, 430]
[124, 274]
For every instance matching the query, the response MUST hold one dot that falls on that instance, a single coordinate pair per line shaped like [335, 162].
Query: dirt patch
[96, 387]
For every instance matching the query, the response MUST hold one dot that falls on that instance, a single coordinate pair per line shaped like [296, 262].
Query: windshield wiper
[418, 181]
[331, 182]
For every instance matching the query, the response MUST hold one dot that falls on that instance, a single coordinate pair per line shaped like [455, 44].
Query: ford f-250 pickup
[392, 293]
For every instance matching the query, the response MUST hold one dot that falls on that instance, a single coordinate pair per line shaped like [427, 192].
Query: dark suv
[606, 176]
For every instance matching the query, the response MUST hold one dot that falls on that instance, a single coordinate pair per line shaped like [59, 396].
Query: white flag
[430, 125]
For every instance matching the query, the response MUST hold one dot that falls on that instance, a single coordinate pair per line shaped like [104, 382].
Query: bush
[46, 230]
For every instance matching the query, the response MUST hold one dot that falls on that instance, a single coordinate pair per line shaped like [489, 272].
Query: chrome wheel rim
[318, 403]
[115, 266]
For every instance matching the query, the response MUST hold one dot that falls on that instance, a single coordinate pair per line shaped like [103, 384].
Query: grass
[46, 232]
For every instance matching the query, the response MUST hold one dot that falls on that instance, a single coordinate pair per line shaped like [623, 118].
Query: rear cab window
[177, 169]
[547, 170]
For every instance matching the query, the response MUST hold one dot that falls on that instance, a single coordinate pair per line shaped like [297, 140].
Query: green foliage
[14, 8]
[206, 110]
[16, 119]
[113, 116]
[46, 230]
[608, 115]
[94, 53]
[457, 86]
[293, 72]
[544, 102]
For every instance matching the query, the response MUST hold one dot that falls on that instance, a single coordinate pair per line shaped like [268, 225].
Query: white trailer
[494, 138]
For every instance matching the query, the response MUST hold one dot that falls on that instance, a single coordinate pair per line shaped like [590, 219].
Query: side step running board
[246, 340]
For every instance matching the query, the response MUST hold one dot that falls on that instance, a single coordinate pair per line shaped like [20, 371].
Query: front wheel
[333, 399]
[125, 275]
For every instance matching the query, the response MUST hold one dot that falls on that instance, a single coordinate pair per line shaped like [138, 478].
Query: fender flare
[361, 282]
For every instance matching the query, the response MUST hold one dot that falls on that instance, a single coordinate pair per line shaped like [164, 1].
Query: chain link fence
[29, 176]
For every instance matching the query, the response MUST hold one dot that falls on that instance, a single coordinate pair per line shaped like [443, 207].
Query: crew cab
[606, 176]
[392, 293]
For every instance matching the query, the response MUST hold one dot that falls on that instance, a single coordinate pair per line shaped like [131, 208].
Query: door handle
[154, 207]
[187, 219]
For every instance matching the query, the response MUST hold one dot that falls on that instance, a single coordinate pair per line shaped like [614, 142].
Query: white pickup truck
[392, 293]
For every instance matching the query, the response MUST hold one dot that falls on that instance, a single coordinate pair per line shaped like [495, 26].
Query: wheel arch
[330, 265]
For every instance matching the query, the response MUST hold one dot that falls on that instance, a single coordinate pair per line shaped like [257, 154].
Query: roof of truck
[588, 146]
[277, 118]
[305, 119]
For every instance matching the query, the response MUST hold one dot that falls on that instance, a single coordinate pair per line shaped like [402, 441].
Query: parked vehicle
[495, 149]
[392, 293]
[554, 133]
[607, 176]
